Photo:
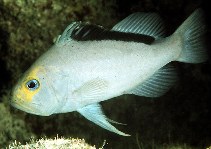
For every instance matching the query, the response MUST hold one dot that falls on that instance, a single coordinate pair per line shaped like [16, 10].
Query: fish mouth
[26, 108]
[22, 107]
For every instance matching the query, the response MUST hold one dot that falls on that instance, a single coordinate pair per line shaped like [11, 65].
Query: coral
[56, 143]
[11, 127]
[29, 28]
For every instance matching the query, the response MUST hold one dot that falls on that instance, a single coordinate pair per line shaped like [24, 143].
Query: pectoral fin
[91, 91]
[95, 114]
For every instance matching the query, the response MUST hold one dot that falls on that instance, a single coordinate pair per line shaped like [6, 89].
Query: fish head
[38, 92]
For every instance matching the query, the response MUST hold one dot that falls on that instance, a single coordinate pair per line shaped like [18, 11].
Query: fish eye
[32, 84]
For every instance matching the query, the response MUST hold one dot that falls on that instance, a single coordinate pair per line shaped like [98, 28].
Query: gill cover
[40, 91]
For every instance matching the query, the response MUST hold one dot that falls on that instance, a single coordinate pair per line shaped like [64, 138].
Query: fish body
[89, 64]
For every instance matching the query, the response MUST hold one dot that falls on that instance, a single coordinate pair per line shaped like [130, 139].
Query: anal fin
[158, 84]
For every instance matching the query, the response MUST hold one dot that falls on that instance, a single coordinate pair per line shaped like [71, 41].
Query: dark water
[182, 116]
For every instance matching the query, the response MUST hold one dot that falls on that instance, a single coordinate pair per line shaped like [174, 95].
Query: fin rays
[95, 114]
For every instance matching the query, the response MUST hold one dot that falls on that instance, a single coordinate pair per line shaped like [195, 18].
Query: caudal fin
[192, 33]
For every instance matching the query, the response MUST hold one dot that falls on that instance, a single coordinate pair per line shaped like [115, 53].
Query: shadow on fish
[89, 64]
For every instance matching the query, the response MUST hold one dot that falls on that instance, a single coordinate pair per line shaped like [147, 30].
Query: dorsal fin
[142, 23]
[66, 35]
[87, 32]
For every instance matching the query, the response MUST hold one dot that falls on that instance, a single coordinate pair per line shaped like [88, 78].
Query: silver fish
[89, 64]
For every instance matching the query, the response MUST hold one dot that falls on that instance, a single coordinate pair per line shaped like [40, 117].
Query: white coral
[56, 143]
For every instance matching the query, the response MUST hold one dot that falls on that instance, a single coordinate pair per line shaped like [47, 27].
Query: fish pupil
[32, 84]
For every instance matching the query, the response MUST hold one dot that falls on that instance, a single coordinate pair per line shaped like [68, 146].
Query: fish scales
[89, 64]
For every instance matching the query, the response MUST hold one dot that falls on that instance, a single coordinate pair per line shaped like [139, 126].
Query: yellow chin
[23, 92]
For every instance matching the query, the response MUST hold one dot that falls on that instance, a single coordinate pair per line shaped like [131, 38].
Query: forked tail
[192, 33]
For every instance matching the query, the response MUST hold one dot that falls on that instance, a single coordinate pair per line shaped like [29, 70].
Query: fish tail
[192, 36]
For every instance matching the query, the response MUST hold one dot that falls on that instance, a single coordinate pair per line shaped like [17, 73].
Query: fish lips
[27, 108]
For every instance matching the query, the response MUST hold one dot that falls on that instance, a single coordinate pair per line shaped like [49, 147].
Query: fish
[89, 64]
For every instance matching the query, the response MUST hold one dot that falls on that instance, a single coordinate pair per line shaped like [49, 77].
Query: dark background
[180, 117]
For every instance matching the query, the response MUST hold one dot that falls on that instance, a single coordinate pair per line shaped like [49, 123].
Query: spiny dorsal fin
[65, 37]
[88, 32]
[142, 23]
[158, 84]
